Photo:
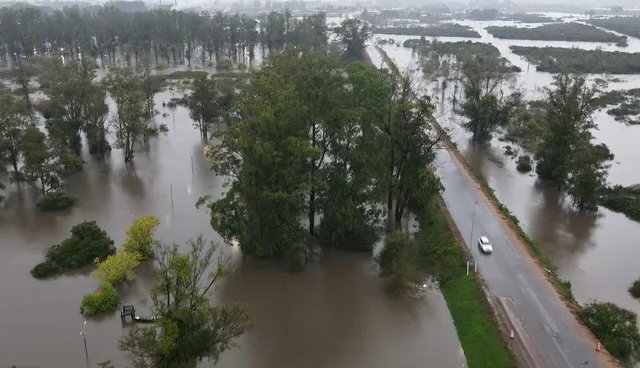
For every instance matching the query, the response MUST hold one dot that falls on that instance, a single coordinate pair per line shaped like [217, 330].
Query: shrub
[140, 236]
[634, 290]
[87, 242]
[524, 164]
[117, 268]
[103, 300]
[615, 327]
[347, 226]
[163, 128]
[623, 199]
[187, 74]
[395, 260]
[56, 200]
[225, 64]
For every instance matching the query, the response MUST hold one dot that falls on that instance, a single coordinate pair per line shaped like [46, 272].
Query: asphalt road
[541, 321]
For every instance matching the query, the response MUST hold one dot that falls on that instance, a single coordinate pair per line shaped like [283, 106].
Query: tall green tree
[95, 114]
[484, 106]
[409, 144]
[21, 75]
[150, 85]
[190, 328]
[132, 119]
[588, 175]
[15, 116]
[354, 34]
[566, 156]
[41, 167]
[204, 104]
[351, 191]
[266, 154]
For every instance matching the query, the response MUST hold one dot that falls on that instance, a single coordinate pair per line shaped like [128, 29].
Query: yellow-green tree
[140, 236]
[117, 268]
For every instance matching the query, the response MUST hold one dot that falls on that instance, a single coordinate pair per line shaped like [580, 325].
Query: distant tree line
[439, 30]
[564, 60]
[556, 32]
[626, 25]
[174, 36]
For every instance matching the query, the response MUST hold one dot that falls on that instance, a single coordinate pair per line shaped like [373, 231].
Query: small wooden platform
[128, 310]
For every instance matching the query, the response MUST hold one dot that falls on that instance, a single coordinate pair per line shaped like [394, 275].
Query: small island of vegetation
[627, 25]
[563, 60]
[439, 30]
[556, 32]
[87, 243]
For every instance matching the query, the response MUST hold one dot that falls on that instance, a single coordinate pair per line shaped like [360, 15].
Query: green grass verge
[478, 335]
[481, 341]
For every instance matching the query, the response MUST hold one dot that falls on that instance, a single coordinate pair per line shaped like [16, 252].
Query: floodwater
[334, 314]
[599, 252]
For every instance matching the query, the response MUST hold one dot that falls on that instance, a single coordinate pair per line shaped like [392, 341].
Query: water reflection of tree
[131, 182]
[559, 228]
[335, 313]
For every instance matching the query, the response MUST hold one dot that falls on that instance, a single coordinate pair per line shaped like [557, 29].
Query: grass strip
[477, 330]
[480, 339]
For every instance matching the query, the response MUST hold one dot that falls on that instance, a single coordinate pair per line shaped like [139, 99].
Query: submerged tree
[354, 34]
[409, 144]
[77, 104]
[190, 328]
[14, 119]
[150, 84]
[208, 102]
[566, 156]
[41, 167]
[21, 74]
[485, 107]
[265, 153]
[132, 119]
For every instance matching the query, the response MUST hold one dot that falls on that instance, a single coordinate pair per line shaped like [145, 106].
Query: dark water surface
[334, 314]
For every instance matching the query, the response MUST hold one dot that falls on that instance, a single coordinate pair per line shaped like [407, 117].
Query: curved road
[541, 321]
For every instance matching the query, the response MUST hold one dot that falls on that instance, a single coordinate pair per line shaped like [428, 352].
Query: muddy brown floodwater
[334, 314]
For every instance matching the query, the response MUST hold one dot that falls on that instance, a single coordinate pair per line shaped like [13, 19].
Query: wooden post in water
[171, 191]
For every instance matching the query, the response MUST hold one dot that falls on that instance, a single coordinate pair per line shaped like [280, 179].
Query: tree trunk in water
[390, 210]
[312, 210]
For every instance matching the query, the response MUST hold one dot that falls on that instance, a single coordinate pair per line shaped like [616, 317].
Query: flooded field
[586, 248]
[334, 314]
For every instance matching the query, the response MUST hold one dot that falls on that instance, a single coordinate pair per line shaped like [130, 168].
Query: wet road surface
[541, 319]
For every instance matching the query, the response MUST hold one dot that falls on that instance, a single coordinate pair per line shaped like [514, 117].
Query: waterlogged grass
[478, 335]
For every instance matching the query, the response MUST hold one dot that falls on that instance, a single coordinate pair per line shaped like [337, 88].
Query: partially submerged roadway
[549, 334]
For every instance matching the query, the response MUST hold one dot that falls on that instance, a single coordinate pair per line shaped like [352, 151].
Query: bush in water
[117, 268]
[103, 300]
[524, 164]
[617, 328]
[634, 290]
[56, 200]
[87, 242]
[140, 236]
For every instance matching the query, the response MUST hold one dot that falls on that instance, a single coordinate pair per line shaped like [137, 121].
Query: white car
[485, 245]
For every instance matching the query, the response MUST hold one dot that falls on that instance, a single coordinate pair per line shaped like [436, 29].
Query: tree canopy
[190, 328]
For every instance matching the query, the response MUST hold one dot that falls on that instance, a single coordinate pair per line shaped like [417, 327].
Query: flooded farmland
[334, 314]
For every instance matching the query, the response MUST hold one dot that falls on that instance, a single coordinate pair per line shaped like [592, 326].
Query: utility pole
[473, 220]
[84, 337]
